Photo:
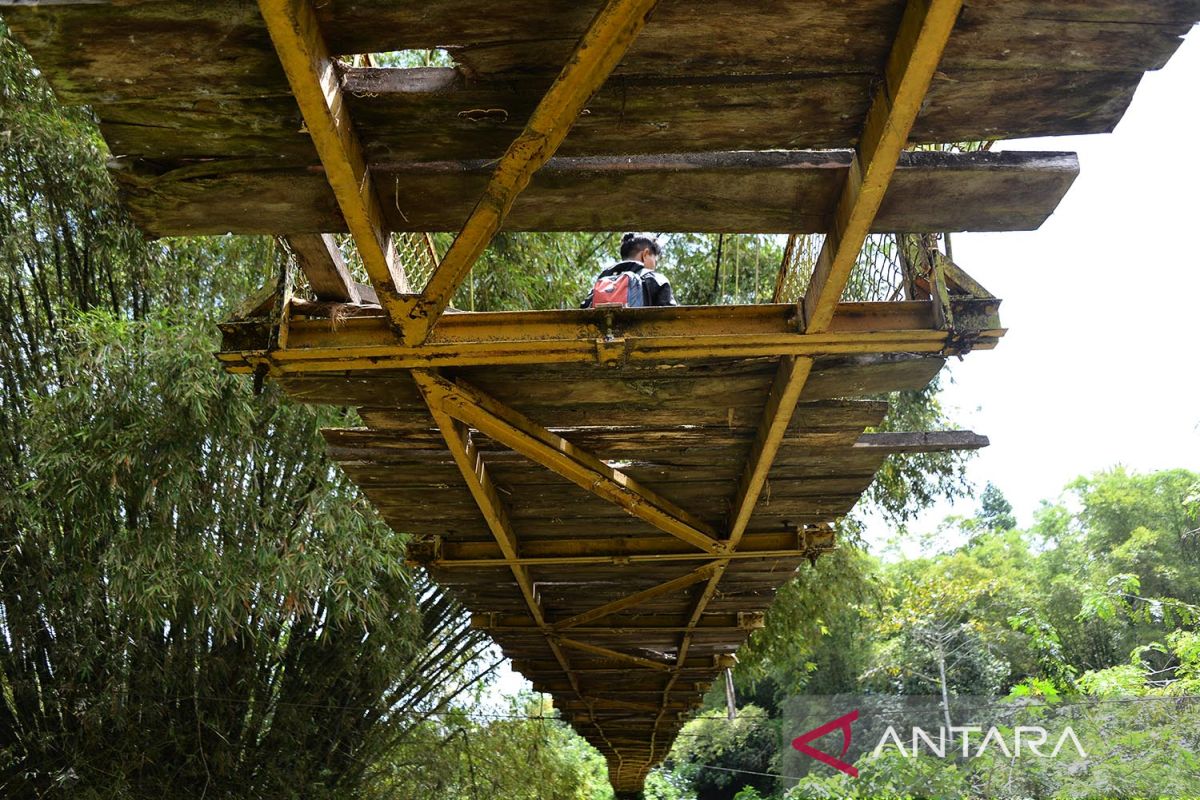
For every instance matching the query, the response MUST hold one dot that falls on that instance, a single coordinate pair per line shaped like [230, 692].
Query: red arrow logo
[841, 723]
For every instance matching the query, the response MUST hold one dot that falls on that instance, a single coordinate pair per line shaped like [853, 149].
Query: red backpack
[620, 289]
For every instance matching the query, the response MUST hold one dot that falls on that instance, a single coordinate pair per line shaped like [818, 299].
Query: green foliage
[194, 601]
[717, 756]
[906, 485]
[995, 512]
[891, 776]
[808, 643]
[1057, 620]
[525, 755]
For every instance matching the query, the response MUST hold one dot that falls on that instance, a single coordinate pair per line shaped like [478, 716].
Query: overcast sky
[1101, 364]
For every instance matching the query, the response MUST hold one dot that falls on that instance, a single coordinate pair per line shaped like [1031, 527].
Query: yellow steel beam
[635, 599]
[475, 474]
[479, 482]
[598, 52]
[651, 334]
[523, 435]
[917, 49]
[312, 73]
[924, 31]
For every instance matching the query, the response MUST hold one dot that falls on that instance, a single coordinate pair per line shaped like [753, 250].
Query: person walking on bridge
[632, 281]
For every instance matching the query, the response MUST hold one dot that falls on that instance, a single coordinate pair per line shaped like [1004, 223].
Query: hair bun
[628, 237]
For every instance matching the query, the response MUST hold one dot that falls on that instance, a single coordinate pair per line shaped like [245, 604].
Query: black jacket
[656, 290]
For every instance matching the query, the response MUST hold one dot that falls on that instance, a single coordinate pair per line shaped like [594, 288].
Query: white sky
[1100, 365]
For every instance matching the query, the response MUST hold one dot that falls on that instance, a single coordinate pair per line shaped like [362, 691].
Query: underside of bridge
[615, 494]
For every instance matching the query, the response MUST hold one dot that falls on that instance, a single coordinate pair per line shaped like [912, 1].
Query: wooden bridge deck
[624, 613]
[615, 495]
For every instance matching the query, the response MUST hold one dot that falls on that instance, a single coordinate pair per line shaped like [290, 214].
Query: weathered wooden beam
[635, 599]
[606, 652]
[518, 432]
[924, 30]
[321, 262]
[598, 52]
[313, 75]
[598, 336]
[637, 623]
[725, 192]
[921, 442]
[725, 110]
[595, 549]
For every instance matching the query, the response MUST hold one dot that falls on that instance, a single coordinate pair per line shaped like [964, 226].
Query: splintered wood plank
[176, 48]
[433, 114]
[323, 265]
[773, 192]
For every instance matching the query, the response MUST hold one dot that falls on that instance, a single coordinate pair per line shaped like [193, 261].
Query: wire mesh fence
[879, 274]
[415, 252]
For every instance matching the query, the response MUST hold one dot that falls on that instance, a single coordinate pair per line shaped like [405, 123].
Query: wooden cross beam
[523, 435]
[312, 73]
[598, 52]
[323, 265]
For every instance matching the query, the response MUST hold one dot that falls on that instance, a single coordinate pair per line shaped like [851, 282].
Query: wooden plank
[313, 76]
[322, 263]
[599, 50]
[435, 119]
[924, 31]
[768, 192]
[926, 442]
[777, 416]
[218, 48]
